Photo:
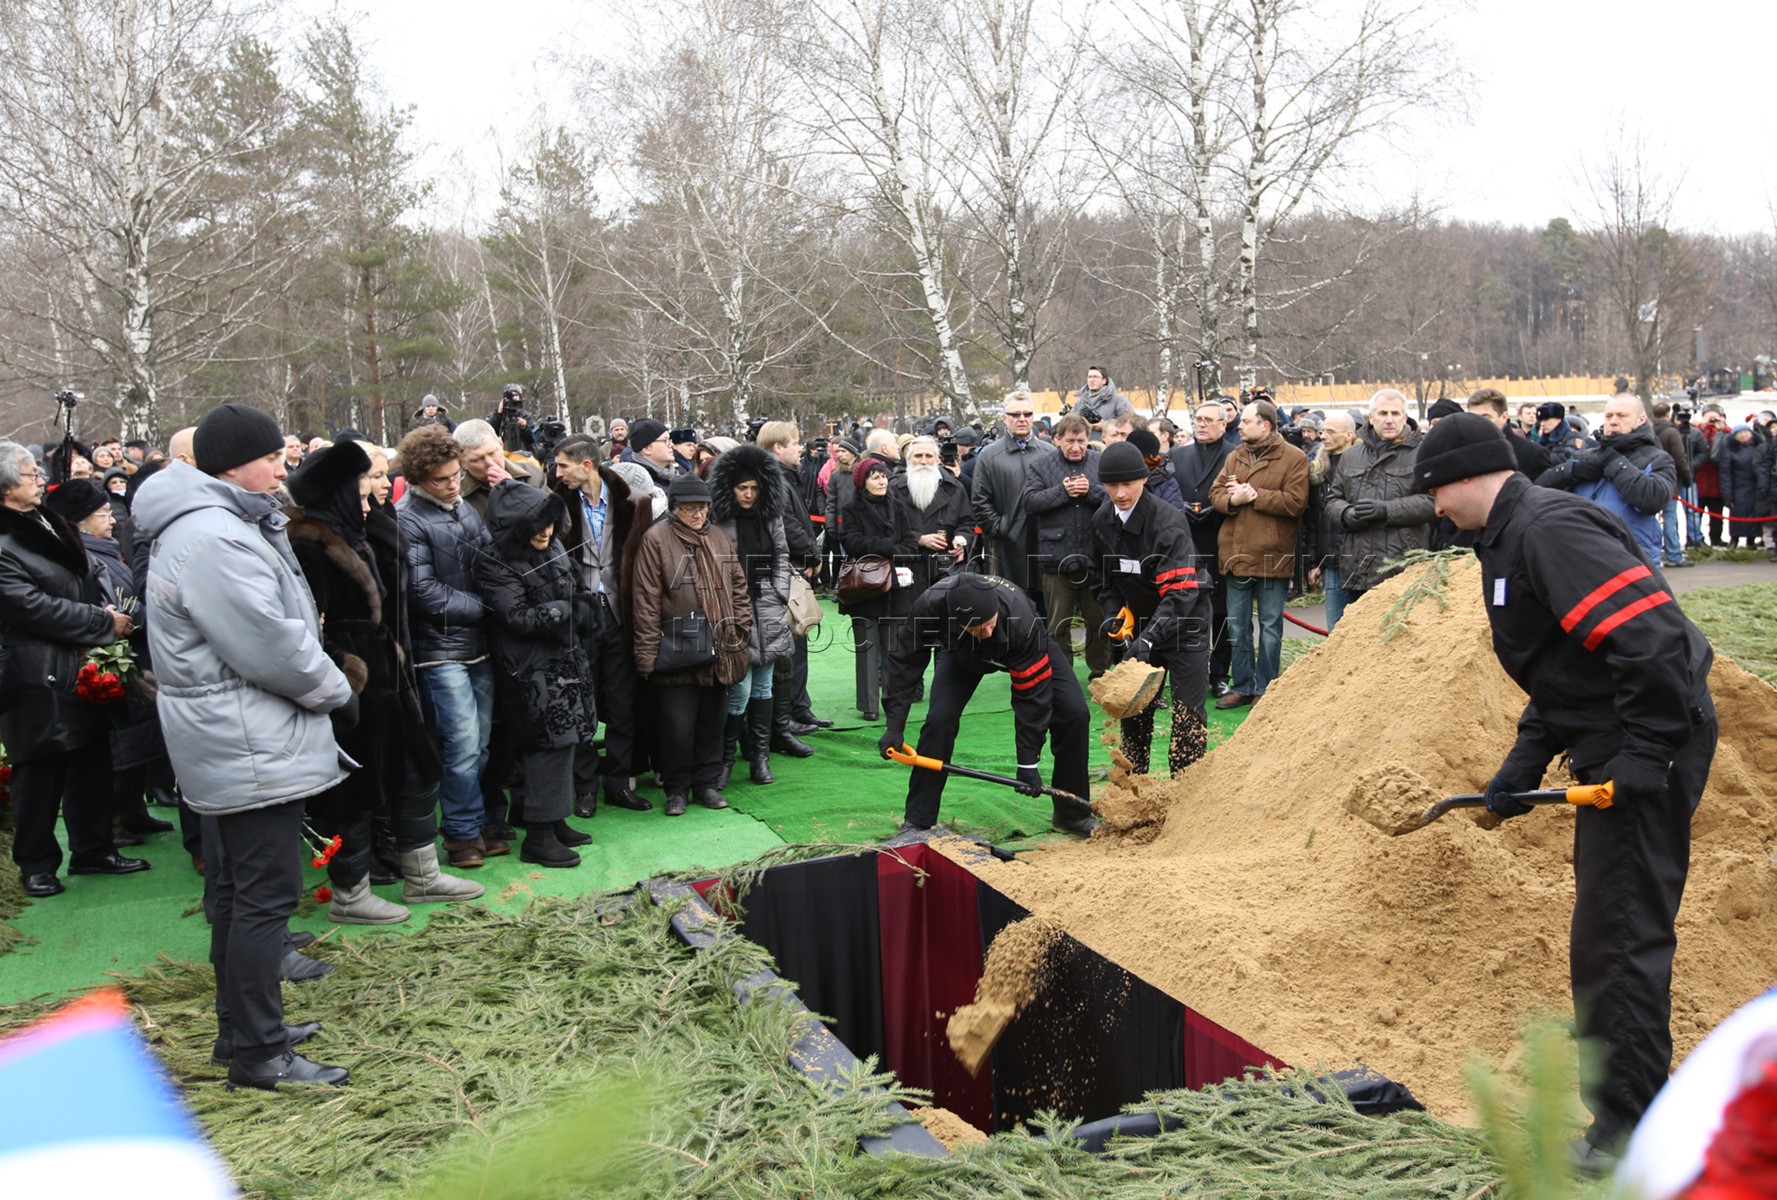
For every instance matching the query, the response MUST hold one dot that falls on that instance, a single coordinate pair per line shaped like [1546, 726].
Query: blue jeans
[754, 685]
[1693, 520]
[1335, 590]
[1672, 545]
[459, 704]
[1253, 672]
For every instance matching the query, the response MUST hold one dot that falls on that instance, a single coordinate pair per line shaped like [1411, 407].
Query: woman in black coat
[541, 679]
[1738, 454]
[874, 525]
[53, 612]
[137, 748]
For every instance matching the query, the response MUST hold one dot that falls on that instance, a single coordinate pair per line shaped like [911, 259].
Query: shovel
[1591, 795]
[1145, 689]
[906, 756]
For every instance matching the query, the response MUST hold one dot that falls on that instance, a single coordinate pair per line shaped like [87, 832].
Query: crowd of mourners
[406, 656]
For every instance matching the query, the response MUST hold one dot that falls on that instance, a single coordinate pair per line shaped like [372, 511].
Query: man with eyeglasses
[445, 538]
[998, 494]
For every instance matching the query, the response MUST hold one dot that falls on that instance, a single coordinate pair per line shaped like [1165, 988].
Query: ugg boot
[542, 847]
[757, 740]
[426, 884]
[783, 729]
[358, 905]
[733, 733]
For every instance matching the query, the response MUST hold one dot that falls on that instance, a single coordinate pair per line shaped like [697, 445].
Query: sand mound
[1263, 902]
[951, 1130]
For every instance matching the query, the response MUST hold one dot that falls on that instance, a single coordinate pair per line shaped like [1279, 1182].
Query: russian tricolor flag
[89, 1111]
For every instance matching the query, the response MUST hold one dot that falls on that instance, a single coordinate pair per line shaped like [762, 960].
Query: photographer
[513, 422]
[1098, 398]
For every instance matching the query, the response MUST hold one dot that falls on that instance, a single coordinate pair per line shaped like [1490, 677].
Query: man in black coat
[1195, 465]
[938, 513]
[1617, 680]
[52, 613]
[979, 625]
[1061, 492]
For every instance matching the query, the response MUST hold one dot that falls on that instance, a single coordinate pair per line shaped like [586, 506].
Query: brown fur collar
[340, 554]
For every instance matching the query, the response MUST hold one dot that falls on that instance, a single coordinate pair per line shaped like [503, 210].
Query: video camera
[1681, 415]
[511, 400]
[947, 452]
[549, 434]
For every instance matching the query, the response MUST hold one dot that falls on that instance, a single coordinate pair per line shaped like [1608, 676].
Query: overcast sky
[1547, 81]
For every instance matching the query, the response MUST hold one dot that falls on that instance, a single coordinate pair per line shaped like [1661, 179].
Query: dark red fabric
[931, 962]
[1212, 1054]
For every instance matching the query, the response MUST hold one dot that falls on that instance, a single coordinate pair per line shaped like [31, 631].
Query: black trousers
[789, 677]
[1221, 648]
[689, 735]
[953, 685]
[1187, 673]
[77, 785]
[253, 882]
[1629, 868]
[615, 689]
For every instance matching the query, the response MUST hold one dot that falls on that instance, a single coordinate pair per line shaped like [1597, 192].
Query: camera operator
[1672, 441]
[1098, 398]
[512, 421]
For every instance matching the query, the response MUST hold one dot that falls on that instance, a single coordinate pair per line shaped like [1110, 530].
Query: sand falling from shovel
[1017, 970]
[1394, 799]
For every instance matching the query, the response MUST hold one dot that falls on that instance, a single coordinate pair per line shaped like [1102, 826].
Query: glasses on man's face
[442, 480]
[1020, 416]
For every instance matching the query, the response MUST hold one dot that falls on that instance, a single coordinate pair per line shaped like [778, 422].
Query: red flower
[5, 775]
[324, 894]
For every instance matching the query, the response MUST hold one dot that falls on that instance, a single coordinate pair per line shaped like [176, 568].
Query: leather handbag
[862, 578]
[805, 610]
[686, 643]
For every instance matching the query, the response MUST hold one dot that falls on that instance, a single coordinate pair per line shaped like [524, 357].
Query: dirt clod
[1015, 973]
[1392, 798]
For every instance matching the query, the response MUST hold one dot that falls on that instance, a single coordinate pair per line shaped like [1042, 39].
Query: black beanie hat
[971, 599]
[1121, 463]
[1443, 408]
[644, 433]
[231, 435]
[76, 500]
[687, 489]
[1145, 441]
[1459, 447]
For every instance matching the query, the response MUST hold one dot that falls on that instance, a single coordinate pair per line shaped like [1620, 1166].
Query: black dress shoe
[586, 805]
[142, 823]
[808, 718]
[288, 1067]
[222, 1053]
[626, 797]
[498, 831]
[567, 835]
[123, 837]
[44, 883]
[109, 864]
[301, 939]
[297, 967]
[709, 797]
[675, 804]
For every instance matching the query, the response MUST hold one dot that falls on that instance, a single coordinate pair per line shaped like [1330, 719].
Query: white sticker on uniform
[1129, 566]
[1499, 592]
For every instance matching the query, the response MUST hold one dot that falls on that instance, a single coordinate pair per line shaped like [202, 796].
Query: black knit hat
[1443, 408]
[1121, 463]
[76, 500]
[971, 599]
[687, 489]
[645, 432]
[231, 435]
[1146, 442]
[1459, 447]
[326, 471]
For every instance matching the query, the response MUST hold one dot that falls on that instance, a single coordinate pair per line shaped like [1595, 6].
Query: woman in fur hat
[748, 498]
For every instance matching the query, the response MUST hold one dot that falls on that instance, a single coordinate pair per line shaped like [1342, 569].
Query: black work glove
[1141, 650]
[1637, 781]
[1499, 798]
[345, 717]
[1030, 781]
[891, 739]
[1371, 512]
[1587, 467]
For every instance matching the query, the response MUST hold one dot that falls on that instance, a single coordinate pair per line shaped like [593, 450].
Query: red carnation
[324, 894]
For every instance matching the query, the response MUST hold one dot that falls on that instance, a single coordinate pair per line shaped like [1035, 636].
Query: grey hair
[475, 433]
[927, 438]
[1389, 394]
[12, 459]
[879, 438]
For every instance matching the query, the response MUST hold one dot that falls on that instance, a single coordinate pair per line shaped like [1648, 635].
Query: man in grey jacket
[246, 693]
[999, 490]
[1372, 501]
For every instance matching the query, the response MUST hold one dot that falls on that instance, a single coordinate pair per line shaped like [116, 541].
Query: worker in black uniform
[1618, 679]
[979, 624]
[1147, 575]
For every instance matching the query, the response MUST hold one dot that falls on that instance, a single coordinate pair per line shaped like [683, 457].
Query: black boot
[542, 847]
[783, 735]
[733, 733]
[757, 740]
[570, 837]
[675, 804]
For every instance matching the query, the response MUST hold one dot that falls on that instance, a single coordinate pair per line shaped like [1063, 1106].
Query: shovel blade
[1143, 695]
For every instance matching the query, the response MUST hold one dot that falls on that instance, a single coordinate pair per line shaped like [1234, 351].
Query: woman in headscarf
[748, 496]
[685, 566]
[874, 525]
[540, 611]
[136, 742]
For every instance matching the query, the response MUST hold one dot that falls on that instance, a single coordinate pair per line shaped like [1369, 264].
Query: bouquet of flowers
[324, 849]
[5, 780]
[101, 678]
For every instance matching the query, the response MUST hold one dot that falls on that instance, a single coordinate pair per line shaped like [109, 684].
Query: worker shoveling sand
[1014, 975]
[1262, 902]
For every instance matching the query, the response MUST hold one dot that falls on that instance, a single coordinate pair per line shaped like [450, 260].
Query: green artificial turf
[846, 793]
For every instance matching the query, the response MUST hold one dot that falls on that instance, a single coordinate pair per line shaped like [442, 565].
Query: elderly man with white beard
[938, 513]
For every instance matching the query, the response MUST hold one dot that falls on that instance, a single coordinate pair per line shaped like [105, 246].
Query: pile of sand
[1014, 975]
[950, 1130]
[1266, 904]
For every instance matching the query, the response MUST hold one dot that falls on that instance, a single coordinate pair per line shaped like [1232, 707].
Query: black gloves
[1361, 514]
[345, 717]
[891, 739]
[1637, 781]
[585, 613]
[1587, 467]
[1141, 650]
[1499, 798]
[1030, 781]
